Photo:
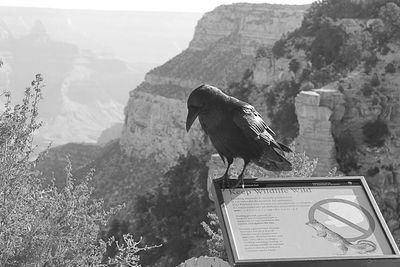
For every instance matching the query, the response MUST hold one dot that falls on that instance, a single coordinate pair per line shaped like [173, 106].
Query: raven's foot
[225, 180]
[240, 181]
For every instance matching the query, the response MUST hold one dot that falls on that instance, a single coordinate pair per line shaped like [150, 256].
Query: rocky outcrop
[155, 126]
[225, 43]
[268, 70]
[315, 111]
[253, 24]
[223, 47]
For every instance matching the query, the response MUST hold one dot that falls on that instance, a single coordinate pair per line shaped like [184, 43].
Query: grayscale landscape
[325, 77]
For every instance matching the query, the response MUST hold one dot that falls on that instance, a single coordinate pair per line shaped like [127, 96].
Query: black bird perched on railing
[236, 130]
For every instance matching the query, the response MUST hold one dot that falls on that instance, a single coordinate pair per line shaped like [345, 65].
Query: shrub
[381, 39]
[171, 213]
[367, 89]
[301, 43]
[281, 109]
[215, 244]
[375, 80]
[326, 46]
[42, 226]
[370, 61]
[278, 49]
[349, 57]
[390, 68]
[305, 75]
[390, 15]
[322, 76]
[346, 155]
[375, 101]
[385, 50]
[294, 65]
[127, 252]
[372, 171]
[303, 166]
[375, 132]
[347, 9]
[262, 52]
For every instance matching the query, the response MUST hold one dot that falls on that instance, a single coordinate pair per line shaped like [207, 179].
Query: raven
[236, 130]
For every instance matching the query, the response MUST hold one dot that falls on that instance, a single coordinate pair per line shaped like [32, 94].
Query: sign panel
[302, 220]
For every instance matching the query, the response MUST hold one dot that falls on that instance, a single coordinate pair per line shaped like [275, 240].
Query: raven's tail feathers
[273, 159]
[285, 148]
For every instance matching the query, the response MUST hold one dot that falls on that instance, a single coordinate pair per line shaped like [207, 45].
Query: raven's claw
[240, 181]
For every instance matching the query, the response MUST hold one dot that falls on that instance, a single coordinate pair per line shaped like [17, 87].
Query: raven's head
[199, 99]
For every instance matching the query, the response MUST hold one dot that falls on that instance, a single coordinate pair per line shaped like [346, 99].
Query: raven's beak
[191, 117]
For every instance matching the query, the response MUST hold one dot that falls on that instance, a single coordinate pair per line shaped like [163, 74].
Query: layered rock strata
[223, 47]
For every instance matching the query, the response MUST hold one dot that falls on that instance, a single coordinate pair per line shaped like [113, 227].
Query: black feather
[285, 148]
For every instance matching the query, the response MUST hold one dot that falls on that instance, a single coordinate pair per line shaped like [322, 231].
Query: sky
[200, 6]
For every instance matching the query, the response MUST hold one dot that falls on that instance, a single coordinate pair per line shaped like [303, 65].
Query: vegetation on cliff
[217, 65]
[322, 23]
[168, 214]
[353, 47]
[281, 110]
[43, 225]
[53, 161]
[331, 53]
[171, 213]
[341, 9]
[164, 208]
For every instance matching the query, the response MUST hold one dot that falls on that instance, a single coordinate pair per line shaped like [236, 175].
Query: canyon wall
[253, 25]
[223, 47]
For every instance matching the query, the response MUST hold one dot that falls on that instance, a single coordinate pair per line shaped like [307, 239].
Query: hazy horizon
[90, 61]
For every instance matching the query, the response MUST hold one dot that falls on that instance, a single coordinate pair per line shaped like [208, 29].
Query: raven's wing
[252, 125]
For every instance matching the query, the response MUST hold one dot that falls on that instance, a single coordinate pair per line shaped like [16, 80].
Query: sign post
[304, 222]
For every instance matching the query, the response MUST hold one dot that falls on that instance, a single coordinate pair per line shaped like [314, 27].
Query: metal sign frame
[392, 260]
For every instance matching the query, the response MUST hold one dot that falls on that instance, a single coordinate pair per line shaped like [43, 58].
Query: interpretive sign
[299, 222]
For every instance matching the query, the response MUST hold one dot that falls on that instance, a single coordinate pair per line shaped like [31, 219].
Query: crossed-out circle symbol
[365, 232]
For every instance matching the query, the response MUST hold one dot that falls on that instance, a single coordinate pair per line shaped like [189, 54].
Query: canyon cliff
[224, 45]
